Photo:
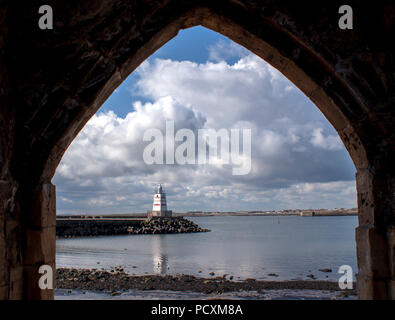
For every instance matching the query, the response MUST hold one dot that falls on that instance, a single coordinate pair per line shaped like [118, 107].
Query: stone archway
[53, 81]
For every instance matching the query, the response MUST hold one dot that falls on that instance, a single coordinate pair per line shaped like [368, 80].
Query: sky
[202, 80]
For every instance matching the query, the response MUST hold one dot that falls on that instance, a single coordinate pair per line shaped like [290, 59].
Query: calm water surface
[243, 246]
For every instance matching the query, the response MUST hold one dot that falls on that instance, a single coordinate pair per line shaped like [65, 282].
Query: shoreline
[118, 281]
[214, 214]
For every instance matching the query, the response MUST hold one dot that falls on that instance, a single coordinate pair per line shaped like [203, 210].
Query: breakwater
[166, 225]
[84, 227]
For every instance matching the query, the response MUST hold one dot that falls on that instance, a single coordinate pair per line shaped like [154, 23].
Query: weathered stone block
[364, 179]
[16, 274]
[43, 213]
[5, 193]
[2, 221]
[353, 144]
[3, 262]
[366, 205]
[372, 252]
[369, 288]
[16, 283]
[327, 106]
[40, 246]
[392, 289]
[13, 250]
[3, 292]
[391, 246]
[305, 83]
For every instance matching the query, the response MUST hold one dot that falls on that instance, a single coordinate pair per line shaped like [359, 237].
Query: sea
[259, 247]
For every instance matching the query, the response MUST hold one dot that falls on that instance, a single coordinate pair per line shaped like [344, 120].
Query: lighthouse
[159, 207]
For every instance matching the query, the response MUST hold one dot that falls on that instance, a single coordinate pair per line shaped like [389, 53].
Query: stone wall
[53, 81]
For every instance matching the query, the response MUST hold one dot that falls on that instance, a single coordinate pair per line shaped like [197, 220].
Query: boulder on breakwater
[166, 225]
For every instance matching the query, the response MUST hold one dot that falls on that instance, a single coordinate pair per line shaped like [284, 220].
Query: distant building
[307, 214]
[159, 207]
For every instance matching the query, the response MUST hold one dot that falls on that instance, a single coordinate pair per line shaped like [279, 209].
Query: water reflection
[246, 247]
[159, 255]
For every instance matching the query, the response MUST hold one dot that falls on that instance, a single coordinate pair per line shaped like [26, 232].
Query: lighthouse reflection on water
[159, 209]
[160, 257]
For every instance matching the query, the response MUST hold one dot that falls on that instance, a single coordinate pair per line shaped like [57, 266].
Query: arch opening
[246, 71]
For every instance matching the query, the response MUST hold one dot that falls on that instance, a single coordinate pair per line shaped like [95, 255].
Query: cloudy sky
[201, 80]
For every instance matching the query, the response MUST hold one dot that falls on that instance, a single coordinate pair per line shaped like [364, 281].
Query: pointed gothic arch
[54, 81]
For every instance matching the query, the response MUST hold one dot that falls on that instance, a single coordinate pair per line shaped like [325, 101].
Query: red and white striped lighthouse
[159, 208]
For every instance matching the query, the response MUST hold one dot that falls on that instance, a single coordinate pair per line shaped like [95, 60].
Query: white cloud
[224, 50]
[330, 142]
[297, 157]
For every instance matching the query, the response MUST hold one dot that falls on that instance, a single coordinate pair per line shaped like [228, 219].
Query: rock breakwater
[165, 225]
[69, 228]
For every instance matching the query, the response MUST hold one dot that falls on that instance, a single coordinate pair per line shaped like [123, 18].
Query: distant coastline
[290, 212]
[296, 212]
